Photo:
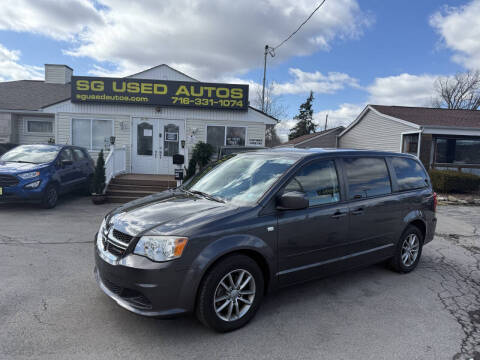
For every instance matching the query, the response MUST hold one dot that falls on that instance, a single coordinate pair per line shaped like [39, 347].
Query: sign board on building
[86, 89]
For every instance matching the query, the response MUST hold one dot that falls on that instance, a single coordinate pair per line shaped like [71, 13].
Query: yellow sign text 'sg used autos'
[159, 92]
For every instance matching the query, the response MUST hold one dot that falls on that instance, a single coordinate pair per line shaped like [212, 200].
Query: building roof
[31, 94]
[311, 136]
[433, 117]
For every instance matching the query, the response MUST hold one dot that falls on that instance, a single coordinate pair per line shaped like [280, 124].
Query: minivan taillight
[435, 201]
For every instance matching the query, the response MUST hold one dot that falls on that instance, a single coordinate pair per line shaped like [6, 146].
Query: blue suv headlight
[29, 175]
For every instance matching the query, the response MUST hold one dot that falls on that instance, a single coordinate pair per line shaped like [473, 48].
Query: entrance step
[128, 187]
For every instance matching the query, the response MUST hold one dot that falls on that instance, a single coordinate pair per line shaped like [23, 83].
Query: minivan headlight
[29, 175]
[161, 248]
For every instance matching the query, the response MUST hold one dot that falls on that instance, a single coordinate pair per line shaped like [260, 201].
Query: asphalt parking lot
[51, 307]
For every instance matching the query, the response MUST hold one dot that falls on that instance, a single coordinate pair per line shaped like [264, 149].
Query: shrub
[201, 155]
[99, 176]
[450, 181]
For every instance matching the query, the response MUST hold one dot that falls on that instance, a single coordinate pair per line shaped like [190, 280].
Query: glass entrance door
[155, 141]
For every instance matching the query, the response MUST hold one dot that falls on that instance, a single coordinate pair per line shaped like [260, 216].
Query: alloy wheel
[52, 196]
[234, 295]
[410, 248]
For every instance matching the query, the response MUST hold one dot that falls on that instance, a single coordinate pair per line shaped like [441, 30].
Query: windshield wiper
[205, 195]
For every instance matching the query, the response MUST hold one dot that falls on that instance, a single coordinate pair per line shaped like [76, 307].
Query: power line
[292, 34]
[271, 50]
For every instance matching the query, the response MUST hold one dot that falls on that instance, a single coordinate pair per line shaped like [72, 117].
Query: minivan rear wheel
[230, 293]
[408, 251]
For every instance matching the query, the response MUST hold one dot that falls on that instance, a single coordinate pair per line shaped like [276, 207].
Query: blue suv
[40, 173]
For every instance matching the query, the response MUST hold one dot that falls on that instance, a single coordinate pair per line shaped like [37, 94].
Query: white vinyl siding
[25, 137]
[375, 132]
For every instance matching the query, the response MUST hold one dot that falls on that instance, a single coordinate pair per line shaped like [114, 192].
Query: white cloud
[459, 28]
[60, 20]
[206, 39]
[342, 116]
[317, 82]
[11, 69]
[403, 90]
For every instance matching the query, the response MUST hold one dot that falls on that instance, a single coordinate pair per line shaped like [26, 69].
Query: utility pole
[326, 121]
[271, 51]
[264, 76]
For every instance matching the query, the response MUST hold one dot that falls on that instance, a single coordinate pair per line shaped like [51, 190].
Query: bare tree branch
[273, 107]
[460, 92]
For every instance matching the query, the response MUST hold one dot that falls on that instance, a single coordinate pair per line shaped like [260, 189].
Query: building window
[457, 151]
[42, 126]
[219, 136]
[170, 142]
[410, 144]
[235, 136]
[145, 139]
[216, 136]
[91, 133]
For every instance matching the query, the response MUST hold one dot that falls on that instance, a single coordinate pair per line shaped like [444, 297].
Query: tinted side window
[66, 154]
[318, 181]
[367, 177]
[79, 155]
[410, 175]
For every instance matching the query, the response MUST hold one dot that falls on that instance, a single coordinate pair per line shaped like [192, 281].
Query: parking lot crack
[459, 291]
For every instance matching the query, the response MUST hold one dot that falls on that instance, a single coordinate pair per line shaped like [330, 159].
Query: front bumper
[145, 287]
[19, 193]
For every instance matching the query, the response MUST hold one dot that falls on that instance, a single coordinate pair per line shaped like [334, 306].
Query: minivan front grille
[116, 242]
[122, 236]
[8, 180]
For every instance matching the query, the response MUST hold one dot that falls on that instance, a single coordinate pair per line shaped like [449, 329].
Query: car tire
[408, 251]
[50, 197]
[230, 293]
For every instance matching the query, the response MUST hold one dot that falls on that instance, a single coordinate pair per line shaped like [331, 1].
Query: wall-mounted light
[182, 142]
[112, 140]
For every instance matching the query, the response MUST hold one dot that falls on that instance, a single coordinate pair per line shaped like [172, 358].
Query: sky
[351, 52]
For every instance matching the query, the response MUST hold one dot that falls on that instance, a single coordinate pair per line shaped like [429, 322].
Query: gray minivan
[260, 221]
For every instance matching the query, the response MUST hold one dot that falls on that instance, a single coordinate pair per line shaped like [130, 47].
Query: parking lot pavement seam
[460, 292]
[9, 240]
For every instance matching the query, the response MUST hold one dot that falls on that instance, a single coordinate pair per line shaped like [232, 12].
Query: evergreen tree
[99, 176]
[305, 124]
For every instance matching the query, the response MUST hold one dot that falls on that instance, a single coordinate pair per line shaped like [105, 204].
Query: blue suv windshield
[35, 154]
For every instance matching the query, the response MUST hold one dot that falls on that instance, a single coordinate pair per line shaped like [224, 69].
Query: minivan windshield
[242, 179]
[35, 154]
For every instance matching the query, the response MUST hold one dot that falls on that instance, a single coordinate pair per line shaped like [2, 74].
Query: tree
[273, 107]
[460, 92]
[99, 175]
[305, 124]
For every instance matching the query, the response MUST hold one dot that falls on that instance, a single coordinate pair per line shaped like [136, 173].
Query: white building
[146, 134]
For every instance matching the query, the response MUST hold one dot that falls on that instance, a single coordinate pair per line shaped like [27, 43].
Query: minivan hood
[15, 167]
[171, 210]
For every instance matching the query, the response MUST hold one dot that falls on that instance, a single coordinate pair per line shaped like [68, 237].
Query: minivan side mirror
[293, 200]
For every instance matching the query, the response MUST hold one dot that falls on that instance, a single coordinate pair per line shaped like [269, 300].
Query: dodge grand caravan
[260, 221]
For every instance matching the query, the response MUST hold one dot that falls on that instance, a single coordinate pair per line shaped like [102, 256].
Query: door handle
[358, 211]
[338, 214]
